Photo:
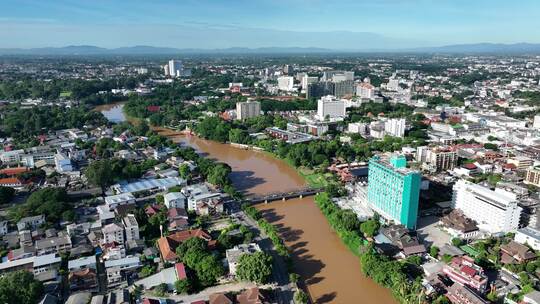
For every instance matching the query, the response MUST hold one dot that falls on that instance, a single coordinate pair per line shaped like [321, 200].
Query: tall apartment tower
[175, 67]
[248, 109]
[395, 127]
[394, 190]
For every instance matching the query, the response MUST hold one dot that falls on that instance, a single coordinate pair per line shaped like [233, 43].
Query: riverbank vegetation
[386, 272]
[267, 228]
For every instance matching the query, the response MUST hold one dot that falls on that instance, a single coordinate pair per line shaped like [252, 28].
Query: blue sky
[338, 24]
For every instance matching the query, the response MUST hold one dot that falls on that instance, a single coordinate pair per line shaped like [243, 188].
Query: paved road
[205, 294]
[283, 290]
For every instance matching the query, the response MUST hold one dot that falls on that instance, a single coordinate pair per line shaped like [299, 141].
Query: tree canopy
[20, 287]
[256, 267]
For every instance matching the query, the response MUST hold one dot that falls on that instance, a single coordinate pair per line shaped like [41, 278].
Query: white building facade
[494, 211]
[330, 107]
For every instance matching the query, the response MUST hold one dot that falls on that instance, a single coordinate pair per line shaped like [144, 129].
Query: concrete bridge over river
[283, 196]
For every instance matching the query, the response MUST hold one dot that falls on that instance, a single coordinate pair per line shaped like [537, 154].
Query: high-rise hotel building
[394, 190]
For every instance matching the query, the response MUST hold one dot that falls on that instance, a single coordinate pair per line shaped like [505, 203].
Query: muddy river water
[331, 272]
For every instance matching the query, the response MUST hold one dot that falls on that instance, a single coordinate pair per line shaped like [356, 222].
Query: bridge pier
[301, 196]
[283, 199]
[266, 201]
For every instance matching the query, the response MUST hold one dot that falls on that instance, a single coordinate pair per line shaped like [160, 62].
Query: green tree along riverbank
[381, 269]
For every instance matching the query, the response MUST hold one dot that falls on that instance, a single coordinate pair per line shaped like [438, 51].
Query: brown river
[330, 271]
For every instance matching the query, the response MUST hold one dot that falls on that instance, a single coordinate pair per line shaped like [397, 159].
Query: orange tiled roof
[13, 171]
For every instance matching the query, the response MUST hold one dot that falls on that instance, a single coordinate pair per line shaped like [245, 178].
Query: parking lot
[429, 233]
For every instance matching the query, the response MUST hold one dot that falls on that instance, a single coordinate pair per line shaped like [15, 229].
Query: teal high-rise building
[394, 190]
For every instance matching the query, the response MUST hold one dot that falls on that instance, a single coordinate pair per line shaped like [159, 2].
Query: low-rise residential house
[47, 262]
[113, 233]
[219, 298]
[233, 255]
[402, 238]
[25, 251]
[84, 279]
[462, 270]
[114, 276]
[178, 225]
[127, 263]
[119, 296]
[516, 253]
[174, 200]
[459, 294]
[178, 219]
[528, 236]
[31, 222]
[210, 206]
[83, 263]
[168, 244]
[251, 296]
[55, 244]
[112, 251]
[460, 226]
[34, 264]
[193, 201]
[131, 227]
[166, 276]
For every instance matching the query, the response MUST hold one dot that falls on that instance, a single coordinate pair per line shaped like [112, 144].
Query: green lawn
[65, 94]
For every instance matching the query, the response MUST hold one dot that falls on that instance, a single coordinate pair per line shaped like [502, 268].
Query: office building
[343, 88]
[248, 109]
[319, 89]
[285, 83]
[337, 76]
[494, 211]
[395, 127]
[330, 107]
[394, 190]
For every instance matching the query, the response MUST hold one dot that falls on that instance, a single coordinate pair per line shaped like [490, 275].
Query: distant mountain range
[81, 50]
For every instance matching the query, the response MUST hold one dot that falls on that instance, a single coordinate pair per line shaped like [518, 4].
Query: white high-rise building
[329, 106]
[285, 83]
[248, 109]
[176, 68]
[494, 211]
[365, 90]
[395, 127]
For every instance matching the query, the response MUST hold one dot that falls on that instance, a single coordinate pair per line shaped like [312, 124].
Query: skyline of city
[353, 25]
